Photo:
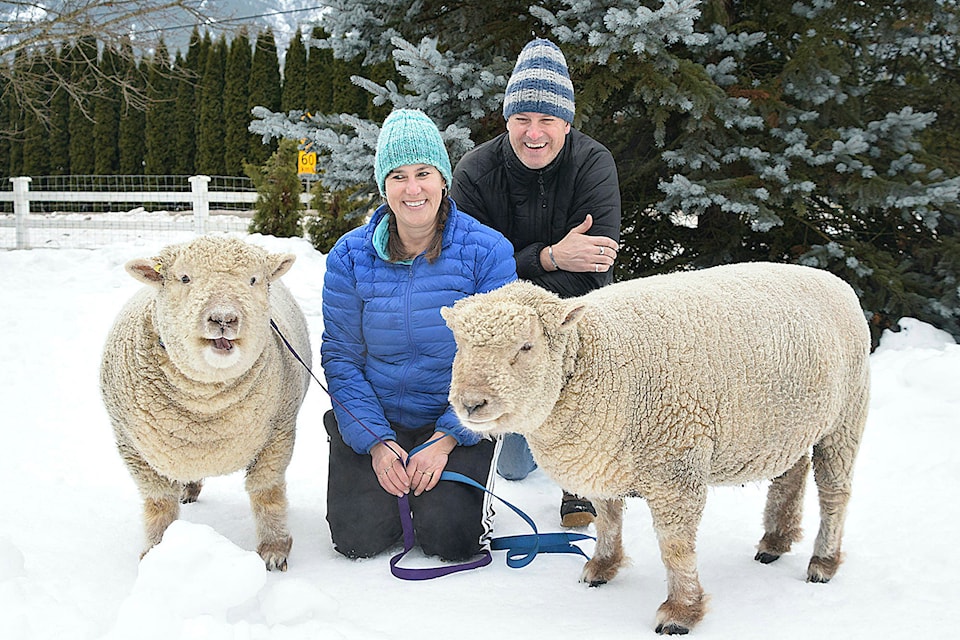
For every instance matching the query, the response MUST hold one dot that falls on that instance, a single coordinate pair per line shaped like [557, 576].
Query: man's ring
[601, 250]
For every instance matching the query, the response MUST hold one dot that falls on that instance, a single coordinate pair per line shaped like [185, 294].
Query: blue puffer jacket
[386, 352]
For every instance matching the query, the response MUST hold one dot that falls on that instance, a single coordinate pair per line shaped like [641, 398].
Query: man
[553, 192]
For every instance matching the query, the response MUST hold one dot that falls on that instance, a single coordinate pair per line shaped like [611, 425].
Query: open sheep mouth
[481, 424]
[222, 344]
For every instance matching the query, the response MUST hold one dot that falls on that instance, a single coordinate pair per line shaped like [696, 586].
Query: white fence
[77, 212]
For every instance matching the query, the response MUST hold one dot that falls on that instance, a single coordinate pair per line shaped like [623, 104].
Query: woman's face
[414, 193]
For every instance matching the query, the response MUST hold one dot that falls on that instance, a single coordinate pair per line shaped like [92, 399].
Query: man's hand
[580, 252]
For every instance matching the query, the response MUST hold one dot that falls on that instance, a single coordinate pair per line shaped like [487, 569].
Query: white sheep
[659, 387]
[197, 384]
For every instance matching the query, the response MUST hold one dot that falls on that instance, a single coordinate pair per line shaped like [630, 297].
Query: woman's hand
[425, 467]
[388, 459]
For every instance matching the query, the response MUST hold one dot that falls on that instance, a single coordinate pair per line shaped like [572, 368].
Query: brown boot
[576, 511]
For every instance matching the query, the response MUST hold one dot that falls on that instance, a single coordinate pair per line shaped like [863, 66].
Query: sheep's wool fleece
[730, 373]
[186, 418]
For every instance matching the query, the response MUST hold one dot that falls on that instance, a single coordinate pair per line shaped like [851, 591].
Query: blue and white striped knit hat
[540, 83]
[409, 136]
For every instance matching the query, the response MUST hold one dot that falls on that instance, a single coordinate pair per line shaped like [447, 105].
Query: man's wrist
[553, 260]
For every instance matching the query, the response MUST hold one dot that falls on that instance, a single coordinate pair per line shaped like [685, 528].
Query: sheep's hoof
[672, 629]
[599, 570]
[766, 557]
[674, 618]
[820, 570]
[280, 564]
[190, 492]
[274, 554]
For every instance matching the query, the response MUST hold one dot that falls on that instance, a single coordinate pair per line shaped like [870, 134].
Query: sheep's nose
[471, 406]
[225, 320]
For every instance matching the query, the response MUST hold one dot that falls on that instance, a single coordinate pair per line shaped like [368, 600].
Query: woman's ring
[601, 250]
[596, 267]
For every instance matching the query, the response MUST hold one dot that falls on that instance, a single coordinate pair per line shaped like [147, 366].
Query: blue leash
[521, 549]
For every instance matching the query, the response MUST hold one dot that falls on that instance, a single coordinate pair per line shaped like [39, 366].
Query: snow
[71, 536]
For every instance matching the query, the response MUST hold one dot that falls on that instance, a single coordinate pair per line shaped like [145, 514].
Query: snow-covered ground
[70, 529]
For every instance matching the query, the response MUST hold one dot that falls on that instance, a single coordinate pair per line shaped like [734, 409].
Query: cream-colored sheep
[661, 386]
[197, 384]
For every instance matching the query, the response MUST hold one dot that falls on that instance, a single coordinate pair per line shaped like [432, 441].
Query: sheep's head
[512, 353]
[212, 310]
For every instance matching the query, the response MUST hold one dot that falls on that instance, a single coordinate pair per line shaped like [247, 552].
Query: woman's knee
[450, 541]
[356, 538]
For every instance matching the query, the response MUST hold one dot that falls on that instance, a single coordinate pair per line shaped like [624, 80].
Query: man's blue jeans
[515, 461]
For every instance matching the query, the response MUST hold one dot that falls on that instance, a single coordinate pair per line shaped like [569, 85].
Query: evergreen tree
[348, 97]
[264, 91]
[36, 150]
[210, 156]
[319, 85]
[81, 60]
[15, 118]
[294, 92]
[188, 80]
[160, 114]
[59, 121]
[106, 117]
[278, 207]
[806, 142]
[130, 143]
[379, 73]
[236, 95]
[335, 213]
[5, 107]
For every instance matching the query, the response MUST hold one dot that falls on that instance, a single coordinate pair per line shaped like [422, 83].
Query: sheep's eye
[526, 346]
[253, 281]
[185, 279]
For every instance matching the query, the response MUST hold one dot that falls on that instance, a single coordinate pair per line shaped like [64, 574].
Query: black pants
[452, 520]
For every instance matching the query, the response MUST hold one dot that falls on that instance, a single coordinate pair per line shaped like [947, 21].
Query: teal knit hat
[408, 136]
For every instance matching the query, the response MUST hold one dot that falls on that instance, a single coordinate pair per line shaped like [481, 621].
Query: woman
[387, 355]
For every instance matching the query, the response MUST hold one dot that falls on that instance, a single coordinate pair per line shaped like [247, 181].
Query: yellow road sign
[306, 162]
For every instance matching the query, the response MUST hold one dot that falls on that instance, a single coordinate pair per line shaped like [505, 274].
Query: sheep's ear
[283, 263]
[446, 313]
[146, 271]
[572, 318]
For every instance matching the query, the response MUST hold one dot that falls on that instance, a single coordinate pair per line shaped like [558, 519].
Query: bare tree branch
[43, 38]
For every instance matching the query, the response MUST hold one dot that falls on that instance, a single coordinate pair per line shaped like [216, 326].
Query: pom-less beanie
[408, 136]
[540, 83]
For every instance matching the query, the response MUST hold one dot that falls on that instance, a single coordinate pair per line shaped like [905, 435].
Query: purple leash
[406, 520]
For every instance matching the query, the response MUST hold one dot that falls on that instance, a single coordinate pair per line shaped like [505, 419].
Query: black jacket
[534, 208]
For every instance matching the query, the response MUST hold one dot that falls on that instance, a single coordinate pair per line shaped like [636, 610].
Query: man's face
[536, 138]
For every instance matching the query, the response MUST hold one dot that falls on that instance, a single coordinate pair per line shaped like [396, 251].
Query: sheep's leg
[268, 500]
[161, 504]
[158, 513]
[608, 553]
[833, 471]
[782, 516]
[676, 518]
